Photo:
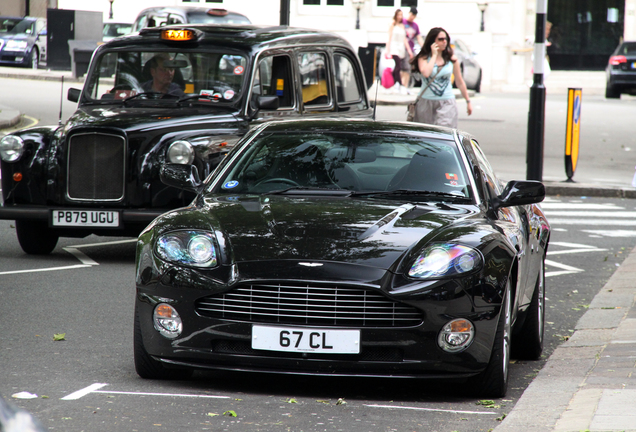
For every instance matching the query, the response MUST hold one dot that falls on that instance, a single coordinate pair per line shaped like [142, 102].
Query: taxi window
[347, 86]
[272, 77]
[313, 77]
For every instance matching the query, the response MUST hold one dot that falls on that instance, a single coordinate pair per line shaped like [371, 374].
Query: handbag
[410, 109]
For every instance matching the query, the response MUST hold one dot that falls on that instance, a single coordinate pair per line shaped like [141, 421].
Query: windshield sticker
[229, 94]
[211, 93]
[230, 184]
[280, 86]
[238, 70]
[450, 176]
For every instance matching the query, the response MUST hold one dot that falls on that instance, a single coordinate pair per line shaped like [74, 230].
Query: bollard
[572, 132]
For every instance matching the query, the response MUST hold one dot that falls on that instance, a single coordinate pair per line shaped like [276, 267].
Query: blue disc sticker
[231, 184]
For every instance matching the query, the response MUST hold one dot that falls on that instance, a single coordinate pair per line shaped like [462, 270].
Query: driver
[162, 77]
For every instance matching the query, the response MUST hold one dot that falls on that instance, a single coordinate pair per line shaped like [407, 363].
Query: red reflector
[217, 12]
[17, 177]
[616, 60]
[223, 144]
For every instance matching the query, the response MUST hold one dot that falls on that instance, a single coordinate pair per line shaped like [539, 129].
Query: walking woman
[437, 63]
[399, 49]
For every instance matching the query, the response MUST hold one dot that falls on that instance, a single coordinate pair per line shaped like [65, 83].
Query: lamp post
[358, 5]
[482, 8]
[110, 14]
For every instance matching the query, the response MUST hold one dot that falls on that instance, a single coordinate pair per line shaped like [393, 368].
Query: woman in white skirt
[437, 63]
[399, 50]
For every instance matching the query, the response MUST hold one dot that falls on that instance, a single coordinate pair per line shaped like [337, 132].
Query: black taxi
[176, 94]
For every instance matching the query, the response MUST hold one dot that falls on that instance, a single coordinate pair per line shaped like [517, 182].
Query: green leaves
[59, 337]
[230, 413]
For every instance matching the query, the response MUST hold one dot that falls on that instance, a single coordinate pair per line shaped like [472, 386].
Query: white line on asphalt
[571, 251]
[105, 243]
[572, 245]
[592, 222]
[432, 409]
[162, 394]
[574, 206]
[83, 392]
[603, 214]
[566, 269]
[45, 269]
[612, 233]
[80, 256]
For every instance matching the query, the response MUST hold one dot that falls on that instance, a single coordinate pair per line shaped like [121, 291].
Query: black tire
[35, 237]
[611, 92]
[149, 368]
[34, 60]
[478, 85]
[493, 381]
[529, 342]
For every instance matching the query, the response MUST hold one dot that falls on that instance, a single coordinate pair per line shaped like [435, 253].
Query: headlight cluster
[445, 260]
[11, 148]
[191, 248]
[180, 152]
[16, 45]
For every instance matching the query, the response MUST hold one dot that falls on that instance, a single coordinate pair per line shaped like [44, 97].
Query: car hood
[135, 117]
[367, 232]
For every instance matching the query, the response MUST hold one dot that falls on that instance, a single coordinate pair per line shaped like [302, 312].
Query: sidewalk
[589, 382]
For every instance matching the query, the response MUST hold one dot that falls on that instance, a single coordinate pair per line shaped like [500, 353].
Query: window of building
[311, 2]
[402, 3]
[335, 2]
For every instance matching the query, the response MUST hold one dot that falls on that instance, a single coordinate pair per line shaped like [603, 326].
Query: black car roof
[239, 35]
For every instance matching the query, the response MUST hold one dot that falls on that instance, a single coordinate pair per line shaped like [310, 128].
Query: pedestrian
[412, 35]
[399, 50]
[437, 63]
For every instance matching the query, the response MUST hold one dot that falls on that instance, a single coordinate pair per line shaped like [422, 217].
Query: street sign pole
[284, 12]
[536, 113]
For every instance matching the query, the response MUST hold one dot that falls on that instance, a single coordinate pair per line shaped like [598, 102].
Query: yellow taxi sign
[177, 35]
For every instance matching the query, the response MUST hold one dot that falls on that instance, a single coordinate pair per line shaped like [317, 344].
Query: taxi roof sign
[178, 35]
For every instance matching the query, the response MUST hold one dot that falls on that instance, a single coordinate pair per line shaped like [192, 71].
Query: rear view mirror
[175, 63]
[73, 94]
[520, 192]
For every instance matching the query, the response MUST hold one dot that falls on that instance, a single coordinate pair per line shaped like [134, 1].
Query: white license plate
[296, 339]
[85, 218]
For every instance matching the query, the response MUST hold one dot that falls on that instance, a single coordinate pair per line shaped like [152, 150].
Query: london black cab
[176, 94]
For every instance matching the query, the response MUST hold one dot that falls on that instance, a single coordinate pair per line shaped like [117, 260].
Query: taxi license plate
[85, 218]
[294, 339]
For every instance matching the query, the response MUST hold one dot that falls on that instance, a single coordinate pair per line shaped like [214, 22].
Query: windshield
[113, 30]
[364, 164]
[17, 26]
[167, 76]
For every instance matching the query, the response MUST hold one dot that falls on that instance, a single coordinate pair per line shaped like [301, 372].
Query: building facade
[584, 32]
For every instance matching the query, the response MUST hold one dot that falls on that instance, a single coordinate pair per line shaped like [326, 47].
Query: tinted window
[273, 78]
[206, 18]
[347, 88]
[489, 174]
[628, 48]
[313, 77]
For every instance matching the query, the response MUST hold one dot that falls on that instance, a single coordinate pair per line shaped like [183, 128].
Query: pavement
[588, 384]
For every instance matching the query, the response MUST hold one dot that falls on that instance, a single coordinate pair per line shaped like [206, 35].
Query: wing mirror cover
[520, 192]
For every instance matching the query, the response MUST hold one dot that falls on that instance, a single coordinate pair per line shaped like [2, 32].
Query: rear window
[628, 48]
[205, 18]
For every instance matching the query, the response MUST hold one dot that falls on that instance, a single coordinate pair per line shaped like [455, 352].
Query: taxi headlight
[180, 152]
[11, 148]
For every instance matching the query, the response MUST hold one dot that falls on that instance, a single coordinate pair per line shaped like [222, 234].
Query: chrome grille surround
[309, 304]
[96, 167]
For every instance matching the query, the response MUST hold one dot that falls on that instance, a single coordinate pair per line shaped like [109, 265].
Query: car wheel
[478, 85]
[529, 343]
[34, 61]
[493, 381]
[35, 237]
[149, 368]
[611, 92]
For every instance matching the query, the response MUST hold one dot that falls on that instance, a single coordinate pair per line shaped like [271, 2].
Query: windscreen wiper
[413, 192]
[303, 190]
[162, 95]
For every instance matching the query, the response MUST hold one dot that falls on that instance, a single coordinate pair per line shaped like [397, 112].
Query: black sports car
[351, 247]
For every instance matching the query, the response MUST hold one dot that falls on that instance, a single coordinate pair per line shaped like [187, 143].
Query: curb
[578, 189]
[9, 117]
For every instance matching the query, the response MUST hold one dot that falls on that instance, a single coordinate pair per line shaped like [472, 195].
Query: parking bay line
[432, 409]
[95, 388]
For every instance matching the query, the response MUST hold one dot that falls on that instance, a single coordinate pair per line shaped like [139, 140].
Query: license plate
[85, 218]
[294, 339]
[634, 65]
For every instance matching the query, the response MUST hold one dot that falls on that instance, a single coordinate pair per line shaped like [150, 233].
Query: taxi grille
[309, 305]
[96, 167]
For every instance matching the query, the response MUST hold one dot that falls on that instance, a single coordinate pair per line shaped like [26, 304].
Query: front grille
[309, 304]
[96, 167]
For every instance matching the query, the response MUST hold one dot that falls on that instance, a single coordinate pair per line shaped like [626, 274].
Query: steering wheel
[278, 180]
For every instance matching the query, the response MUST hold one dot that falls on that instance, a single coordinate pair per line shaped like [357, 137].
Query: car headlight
[180, 152]
[191, 248]
[16, 45]
[11, 148]
[445, 260]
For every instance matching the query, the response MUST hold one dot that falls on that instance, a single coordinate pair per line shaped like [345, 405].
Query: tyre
[35, 237]
[149, 368]
[611, 92]
[529, 342]
[493, 381]
[34, 59]
[478, 85]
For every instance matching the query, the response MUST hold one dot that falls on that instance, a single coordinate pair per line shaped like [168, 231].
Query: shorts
[437, 112]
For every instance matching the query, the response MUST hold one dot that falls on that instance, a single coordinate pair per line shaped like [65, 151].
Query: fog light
[167, 321]
[456, 335]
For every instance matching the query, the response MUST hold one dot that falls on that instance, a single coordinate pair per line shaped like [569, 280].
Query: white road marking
[83, 392]
[612, 233]
[602, 214]
[584, 222]
[566, 269]
[571, 251]
[576, 206]
[432, 409]
[80, 256]
[46, 269]
[95, 388]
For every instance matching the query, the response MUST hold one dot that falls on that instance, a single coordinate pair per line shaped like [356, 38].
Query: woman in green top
[437, 63]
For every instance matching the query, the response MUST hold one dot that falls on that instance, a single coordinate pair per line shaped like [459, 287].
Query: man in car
[161, 77]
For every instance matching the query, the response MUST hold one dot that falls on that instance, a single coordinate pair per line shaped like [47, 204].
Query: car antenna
[375, 105]
[61, 99]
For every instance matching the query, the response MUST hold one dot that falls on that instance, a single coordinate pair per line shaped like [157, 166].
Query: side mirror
[520, 192]
[268, 102]
[73, 94]
[180, 176]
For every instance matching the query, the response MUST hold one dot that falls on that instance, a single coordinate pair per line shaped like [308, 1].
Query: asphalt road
[85, 290]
